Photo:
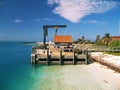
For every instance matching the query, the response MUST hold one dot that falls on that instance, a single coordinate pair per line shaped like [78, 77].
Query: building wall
[62, 45]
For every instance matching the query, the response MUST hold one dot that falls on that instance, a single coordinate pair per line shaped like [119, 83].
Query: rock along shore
[111, 61]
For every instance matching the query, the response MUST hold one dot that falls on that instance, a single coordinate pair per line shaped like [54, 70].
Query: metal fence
[104, 49]
[89, 48]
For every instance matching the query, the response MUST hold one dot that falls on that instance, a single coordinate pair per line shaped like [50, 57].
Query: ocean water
[15, 66]
[17, 73]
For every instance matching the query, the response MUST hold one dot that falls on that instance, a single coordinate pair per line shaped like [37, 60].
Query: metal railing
[90, 48]
[104, 49]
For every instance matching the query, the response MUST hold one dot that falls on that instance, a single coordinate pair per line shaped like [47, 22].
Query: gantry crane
[45, 30]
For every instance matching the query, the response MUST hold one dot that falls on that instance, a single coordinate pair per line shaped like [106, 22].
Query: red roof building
[115, 37]
[63, 39]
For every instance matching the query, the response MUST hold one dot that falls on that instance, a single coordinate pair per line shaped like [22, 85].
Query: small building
[115, 37]
[63, 40]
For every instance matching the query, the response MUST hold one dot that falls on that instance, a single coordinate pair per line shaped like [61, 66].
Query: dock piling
[74, 57]
[48, 59]
[33, 59]
[61, 61]
[87, 57]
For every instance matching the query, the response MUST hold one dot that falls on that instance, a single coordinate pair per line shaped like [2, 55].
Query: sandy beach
[108, 79]
[99, 78]
[110, 60]
[77, 77]
[93, 76]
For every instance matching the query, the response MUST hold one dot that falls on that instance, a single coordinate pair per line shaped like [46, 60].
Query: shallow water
[63, 78]
[17, 73]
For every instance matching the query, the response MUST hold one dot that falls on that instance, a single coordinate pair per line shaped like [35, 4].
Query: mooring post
[86, 60]
[48, 59]
[33, 59]
[61, 61]
[74, 57]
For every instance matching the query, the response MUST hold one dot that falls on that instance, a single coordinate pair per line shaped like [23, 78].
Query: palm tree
[83, 39]
[106, 39]
[97, 39]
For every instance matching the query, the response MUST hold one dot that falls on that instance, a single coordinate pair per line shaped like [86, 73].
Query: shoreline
[79, 77]
[111, 61]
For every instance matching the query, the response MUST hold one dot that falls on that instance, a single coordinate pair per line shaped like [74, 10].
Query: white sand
[109, 59]
[91, 77]
[107, 78]
[79, 77]
[76, 77]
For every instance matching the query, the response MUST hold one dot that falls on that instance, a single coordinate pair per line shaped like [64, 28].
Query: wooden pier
[60, 59]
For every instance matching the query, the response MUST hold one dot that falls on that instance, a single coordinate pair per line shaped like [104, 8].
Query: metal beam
[45, 30]
[54, 26]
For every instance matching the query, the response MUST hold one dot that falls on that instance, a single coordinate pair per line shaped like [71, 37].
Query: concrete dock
[61, 58]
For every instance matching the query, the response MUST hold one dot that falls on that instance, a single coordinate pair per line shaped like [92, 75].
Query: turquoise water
[15, 66]
[17, 73]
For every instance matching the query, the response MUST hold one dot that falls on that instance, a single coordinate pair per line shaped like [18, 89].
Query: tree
[115, 43]
[106, 39]
[97, 39]
[83, 39]
[80, 40]
[88, 41]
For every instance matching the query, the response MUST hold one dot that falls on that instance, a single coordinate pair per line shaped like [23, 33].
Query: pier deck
[59, 57]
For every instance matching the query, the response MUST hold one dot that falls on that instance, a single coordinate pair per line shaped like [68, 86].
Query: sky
[23, 20]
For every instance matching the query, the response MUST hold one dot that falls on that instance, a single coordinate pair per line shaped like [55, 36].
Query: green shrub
[115, 43]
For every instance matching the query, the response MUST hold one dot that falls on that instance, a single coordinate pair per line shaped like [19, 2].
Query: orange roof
[62, 39]
[115, 37]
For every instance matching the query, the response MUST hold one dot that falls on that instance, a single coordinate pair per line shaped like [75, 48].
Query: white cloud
[47, 19]
[75, 10]
[53, 1]
[18, 21]
[94, 22]
[38, 20]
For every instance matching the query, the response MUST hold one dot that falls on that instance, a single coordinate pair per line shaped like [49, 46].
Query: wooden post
[61, 62]
[74, 58]
[33, 59]
[86, 60]
[48, 59]
[86, 57]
